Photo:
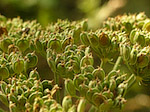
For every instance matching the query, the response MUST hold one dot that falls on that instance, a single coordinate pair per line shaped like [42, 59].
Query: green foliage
[69, 49]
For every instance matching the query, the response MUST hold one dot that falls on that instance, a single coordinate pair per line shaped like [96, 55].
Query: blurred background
[47, 11]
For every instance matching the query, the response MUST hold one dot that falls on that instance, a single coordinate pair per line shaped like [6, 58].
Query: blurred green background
[46, 11]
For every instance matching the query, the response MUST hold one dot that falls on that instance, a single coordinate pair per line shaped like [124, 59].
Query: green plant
[70, 49]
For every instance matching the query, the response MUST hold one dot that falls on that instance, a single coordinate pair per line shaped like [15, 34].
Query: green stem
[117, 63]
[56, 79]
[92, 109]
[132, 78]
[129, 67]
[102, 63]
[130, 82]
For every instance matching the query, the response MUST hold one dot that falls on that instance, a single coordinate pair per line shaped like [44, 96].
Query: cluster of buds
[126, 22]
[104, 91]
[69, 49]
[67, 64]
[28, 93]
[14, 63]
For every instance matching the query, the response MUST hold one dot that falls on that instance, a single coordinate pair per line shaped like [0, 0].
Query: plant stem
[130, 69]
[117, 63]
[56, 79]
[92, 109]
[130, 82]
[102, 63]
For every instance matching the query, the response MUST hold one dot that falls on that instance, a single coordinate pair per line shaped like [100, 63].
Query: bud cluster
[29, 94]
[98, 88]
[70, 48]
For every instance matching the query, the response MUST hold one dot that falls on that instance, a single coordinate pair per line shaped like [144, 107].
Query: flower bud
[66, 103]
[70, 88]
[22, 100]
[133, 56]
[89, 76]
[13, 107]
[147, 41]
[56, 108]
[28, 107]
[140, 39]
[87, 69]
[13, 98]
[128, 27]
[84, 38]
[3, 86]
[76, 34]
[4, 43]
[108, 94]
[18, 66]
[83, 89]
[98, 99]
[61, 69]
[82, 105]
[85, 25]
[87, 60]
[49, 102]
[31, 60]
[19, 90]
[37, 105]
[47, 84]
[72, 109]
[4, 72]
[71, 47]
[27, 93]
[78, 79]
[92, 84]
[132, 36]
[66, 42]
[99, 73]
[93, 39]
[111, 74]
[54, 44]
[34, 74]
[126, 52]
[3, 99]
[33, 96]
[107, 105]
[90, 93]
[7, 90]
[104, 40]
[146, 26]
[3, 30]
[22, 44]
[142, 60]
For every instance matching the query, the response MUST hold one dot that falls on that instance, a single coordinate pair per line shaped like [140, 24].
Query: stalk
[119, 59]
[56, 79]
[92, 109]
[102, 63]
